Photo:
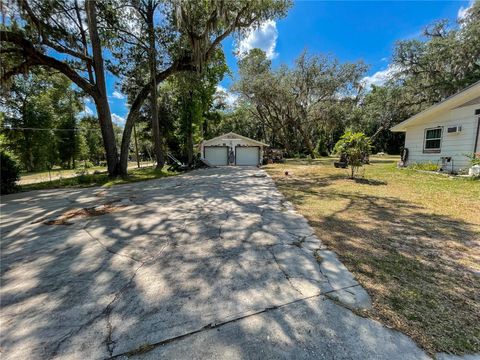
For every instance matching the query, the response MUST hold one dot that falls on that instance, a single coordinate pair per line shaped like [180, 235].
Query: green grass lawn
[412, 239]
[59, 173]
[99, 179]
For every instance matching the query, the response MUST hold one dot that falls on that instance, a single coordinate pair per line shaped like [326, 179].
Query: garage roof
[233, 136]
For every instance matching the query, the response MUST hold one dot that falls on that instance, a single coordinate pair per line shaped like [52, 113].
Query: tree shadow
[421, 268]
[194, 251]
[372, 182]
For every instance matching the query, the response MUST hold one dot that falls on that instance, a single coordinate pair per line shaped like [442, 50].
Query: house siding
[455, 145]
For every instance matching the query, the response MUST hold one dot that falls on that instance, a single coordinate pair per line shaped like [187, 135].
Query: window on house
[433, 139]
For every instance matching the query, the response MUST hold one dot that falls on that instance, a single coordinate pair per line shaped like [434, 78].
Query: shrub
[87, 164]
[474, 158]
[10, 173]
[85, 179]
[355, 147]
[424, 166]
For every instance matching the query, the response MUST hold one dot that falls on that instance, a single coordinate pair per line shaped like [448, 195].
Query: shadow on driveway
[213, 263]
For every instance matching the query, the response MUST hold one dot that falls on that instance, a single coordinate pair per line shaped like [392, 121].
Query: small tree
[355, 147]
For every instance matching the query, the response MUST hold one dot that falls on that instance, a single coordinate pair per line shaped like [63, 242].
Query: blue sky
[349, 30]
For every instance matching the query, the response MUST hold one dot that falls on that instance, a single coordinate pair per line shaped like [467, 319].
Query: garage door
[216, 155]
[247, 155]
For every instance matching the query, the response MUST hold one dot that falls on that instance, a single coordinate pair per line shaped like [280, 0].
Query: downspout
[477, 112]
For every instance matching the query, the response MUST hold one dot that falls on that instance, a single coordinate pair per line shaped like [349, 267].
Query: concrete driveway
[211, 264]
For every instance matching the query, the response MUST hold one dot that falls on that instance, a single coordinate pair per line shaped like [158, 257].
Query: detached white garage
[232, 149]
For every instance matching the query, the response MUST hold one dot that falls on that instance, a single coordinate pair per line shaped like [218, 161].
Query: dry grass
[411, 239]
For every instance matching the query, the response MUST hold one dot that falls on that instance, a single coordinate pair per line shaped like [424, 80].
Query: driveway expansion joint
[149, 347]
[144, 348]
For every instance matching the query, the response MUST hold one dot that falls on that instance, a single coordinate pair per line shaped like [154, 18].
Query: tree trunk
[189, 142]
[305, 137]
[101, 100]
[157, 140]
[377, 132]
[84, 41]
[307, 141]
[136, 145]
[190, 148]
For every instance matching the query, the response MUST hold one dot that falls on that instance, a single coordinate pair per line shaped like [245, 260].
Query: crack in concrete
[338, 302]
[144, 348]
[295, 235]
[109, 342]
[351, 292]
[319, 259]
[108, 249]
[62, 340]
[299, 242]
[281, 269]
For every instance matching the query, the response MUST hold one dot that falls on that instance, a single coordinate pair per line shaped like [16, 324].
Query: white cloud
[117, 119]
[462, 12]
[230, 98]
[118, 95]
[264, 37]
[380, 77]
[87, 111]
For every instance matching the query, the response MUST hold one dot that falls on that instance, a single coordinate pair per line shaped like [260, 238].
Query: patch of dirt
[103, 209]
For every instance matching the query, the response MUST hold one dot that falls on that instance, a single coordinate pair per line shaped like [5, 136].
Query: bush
[85, 179]
[355, 148]
[474, 158]
[10, 173]
[87, 164]
[424, 166]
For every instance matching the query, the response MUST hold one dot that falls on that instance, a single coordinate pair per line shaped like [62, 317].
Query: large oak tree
[70, 36]
[65, 36]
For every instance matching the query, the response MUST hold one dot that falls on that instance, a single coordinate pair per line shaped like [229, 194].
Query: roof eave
[449, 103]
[398, 129]
[204, 142]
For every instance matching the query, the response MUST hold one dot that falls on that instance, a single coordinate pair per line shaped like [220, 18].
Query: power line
[46, 129]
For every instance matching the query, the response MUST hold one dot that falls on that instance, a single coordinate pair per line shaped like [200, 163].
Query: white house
[232, 149]
[445, 132]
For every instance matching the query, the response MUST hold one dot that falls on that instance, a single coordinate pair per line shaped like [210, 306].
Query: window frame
[435, 150]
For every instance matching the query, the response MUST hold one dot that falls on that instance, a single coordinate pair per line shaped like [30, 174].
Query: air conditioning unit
[454, 129]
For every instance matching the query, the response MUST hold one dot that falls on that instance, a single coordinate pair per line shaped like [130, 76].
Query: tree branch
[183, 64]
[34, 57]
[227, 32]
[40, 25]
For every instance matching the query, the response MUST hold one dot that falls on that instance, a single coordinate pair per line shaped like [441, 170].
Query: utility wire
[46, 129]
